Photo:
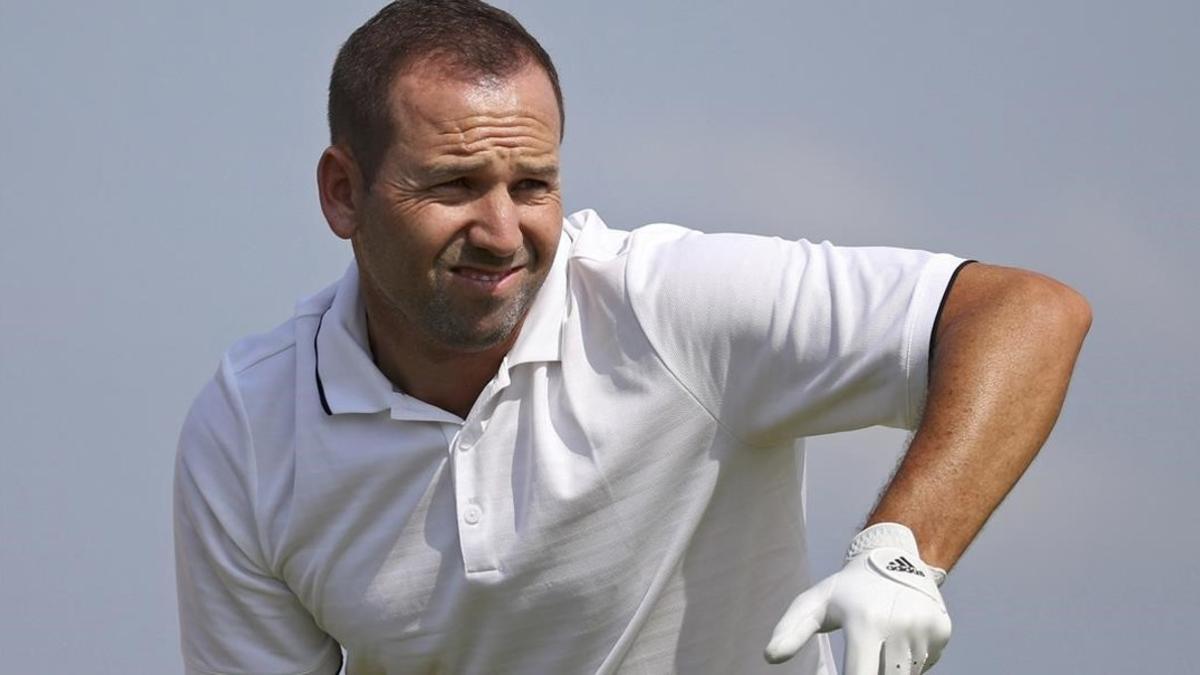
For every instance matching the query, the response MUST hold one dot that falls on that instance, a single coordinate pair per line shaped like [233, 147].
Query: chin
[475, 337]
[474, 326]
[476, 342]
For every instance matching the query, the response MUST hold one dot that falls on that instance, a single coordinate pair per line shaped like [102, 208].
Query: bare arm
[1005, 347]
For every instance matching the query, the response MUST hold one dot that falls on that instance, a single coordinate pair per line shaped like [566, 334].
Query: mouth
[485, 279]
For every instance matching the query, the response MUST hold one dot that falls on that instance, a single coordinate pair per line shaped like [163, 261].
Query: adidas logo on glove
[902, 564]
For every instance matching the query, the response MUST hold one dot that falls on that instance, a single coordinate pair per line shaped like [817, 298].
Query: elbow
[1025, 305]
[1081, 312]
[1072, 311]
[1058, 309]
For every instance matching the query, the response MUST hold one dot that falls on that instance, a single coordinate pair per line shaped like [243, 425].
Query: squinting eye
[457, 183]
[531, 185]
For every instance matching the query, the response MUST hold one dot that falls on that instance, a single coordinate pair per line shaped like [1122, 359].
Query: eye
[456, 184]
[529, 185]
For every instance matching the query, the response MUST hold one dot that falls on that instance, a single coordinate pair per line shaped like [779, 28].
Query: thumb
[800, 622]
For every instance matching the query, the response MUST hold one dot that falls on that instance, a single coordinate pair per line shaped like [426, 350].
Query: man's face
[459, 228]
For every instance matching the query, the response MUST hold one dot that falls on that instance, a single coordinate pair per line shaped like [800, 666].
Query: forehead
[433, 104]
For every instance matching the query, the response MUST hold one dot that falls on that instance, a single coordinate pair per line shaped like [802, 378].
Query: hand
[885, 598]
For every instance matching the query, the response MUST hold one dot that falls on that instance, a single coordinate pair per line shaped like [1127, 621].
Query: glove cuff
[891, 535]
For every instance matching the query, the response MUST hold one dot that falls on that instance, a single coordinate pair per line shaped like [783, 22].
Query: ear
[340, 185]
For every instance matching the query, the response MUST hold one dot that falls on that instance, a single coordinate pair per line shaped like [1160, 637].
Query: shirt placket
[471, 486]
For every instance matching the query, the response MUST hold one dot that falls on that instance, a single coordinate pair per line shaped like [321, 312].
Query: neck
[447, 378]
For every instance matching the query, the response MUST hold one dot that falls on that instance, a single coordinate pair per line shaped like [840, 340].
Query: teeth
[481, 276]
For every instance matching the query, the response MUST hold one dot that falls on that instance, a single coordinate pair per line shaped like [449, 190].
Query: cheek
[379, 243]
[546, 230]
[402, 238]
[381, 247]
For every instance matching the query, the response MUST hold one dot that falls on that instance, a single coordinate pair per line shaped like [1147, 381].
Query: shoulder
[665, 253]
[254, 356]
[263, 365]
[675, 278]
[238, 429]
[252, 392]
[216, 442]
[593, 239]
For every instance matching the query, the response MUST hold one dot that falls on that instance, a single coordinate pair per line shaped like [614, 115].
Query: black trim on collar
[937, 318]
[317, 366]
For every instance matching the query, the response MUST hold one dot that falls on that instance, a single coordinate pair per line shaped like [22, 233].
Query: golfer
[509, 441]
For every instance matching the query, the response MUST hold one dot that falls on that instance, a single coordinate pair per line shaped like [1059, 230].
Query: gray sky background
[157, 202]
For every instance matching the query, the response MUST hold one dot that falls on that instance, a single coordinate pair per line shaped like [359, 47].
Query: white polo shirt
[624, 496]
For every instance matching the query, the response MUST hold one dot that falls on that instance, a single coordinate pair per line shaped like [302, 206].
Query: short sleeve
[235, 616]
[783, 339]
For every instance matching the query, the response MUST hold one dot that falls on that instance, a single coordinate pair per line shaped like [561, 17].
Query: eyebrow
[452, 170]
[538, 169]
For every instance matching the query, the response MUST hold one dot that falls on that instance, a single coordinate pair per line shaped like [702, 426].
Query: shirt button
[472, 514]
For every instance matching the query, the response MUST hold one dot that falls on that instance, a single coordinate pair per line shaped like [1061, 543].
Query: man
[505, 442]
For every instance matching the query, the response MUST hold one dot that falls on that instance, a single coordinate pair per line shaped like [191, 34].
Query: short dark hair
[469, 37]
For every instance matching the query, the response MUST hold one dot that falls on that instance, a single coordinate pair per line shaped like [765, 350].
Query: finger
[799, 623]
[898, 658]
[864, 653]
[903, 657]
[919, 649]
[938, 640]
[790, 637]
[934, 655]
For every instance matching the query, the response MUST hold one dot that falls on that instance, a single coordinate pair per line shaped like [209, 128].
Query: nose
[496, 226]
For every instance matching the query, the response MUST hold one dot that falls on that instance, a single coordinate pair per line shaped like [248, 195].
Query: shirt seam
[240, 368]
[262, 558]
[672, 371]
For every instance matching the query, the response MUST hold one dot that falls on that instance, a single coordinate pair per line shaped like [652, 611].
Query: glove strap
[893, 535]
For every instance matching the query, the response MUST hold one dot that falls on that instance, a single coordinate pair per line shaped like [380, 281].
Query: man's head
[455, 211]
[468, 37]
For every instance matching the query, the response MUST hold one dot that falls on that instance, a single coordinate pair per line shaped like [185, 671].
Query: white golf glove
[885, 598]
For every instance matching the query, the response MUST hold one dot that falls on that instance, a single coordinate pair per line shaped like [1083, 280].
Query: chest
[535, 516]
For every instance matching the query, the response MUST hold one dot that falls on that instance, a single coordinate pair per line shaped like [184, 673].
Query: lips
[482, 275]
[488, 280]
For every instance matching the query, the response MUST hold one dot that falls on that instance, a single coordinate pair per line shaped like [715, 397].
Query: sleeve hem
[942, 305]
[330, 664]
[933, 287]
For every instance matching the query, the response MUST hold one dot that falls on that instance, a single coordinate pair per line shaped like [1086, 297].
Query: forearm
[1005, 348]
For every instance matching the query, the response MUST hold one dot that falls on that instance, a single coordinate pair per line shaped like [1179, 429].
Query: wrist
[892, 535]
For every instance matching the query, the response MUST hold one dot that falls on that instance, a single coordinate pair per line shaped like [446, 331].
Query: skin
[1005, 346]
[458, 228]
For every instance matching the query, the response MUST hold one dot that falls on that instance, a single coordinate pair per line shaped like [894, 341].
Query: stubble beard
[457, 327]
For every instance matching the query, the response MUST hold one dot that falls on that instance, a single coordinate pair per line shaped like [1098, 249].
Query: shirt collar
[347, 377]
[541, 332]
[348, 380]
